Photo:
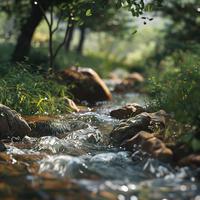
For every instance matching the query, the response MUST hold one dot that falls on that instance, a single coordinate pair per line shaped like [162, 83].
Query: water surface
[81, 164]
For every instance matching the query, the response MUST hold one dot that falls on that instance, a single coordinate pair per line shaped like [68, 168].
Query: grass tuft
[30, 93]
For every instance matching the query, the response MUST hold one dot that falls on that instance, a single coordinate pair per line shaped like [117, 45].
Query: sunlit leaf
[88, 13]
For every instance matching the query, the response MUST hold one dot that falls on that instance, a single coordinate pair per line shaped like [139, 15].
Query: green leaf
[88, 13]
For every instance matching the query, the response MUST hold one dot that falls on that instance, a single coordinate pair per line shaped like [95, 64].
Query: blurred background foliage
[100, 37]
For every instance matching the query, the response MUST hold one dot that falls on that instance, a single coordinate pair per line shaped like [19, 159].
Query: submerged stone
[52, 126]
[48, 128]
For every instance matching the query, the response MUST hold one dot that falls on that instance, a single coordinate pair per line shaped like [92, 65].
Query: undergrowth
[30, 93]
[176, 90]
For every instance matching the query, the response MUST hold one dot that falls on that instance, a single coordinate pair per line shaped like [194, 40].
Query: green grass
[30, 93]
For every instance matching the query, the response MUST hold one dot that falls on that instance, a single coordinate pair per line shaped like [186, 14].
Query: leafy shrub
[31, 93]
[177, 90]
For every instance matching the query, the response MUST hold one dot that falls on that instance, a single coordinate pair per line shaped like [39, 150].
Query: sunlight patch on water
[14, 150]
[63, 165]
[76, 142]
[54, 145]
[90, 134]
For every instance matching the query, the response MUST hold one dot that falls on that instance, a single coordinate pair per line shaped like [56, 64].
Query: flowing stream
[96, 170]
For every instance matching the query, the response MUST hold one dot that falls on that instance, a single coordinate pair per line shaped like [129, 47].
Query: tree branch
[64, 40]
[51, 16]
[44, 14]
[58, 23]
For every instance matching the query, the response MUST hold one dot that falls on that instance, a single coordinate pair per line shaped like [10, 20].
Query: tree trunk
[69, 37]
[81, 41]
[23, 45]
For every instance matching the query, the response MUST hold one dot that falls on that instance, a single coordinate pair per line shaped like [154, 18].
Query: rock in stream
[126, 129]
[12, 124]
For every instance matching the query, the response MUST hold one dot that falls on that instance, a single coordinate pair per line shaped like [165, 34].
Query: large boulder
[126, 129]
[12, 124]
[149, 143]
[87, 85]
[127, 111]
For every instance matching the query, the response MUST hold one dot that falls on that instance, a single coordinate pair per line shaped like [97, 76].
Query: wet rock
[87, 85]
[11, 170]
[36, 186]
[48, 128]
[127, 111]
[39, 118]
[31, 161]
[17, 164]
[53, 126]
[158, 119]
[126, 129]
[192, 160]
[137, 140]
[2, 147]
[12, 124]
[107, 195]
[41, 125]
[150, 144]
[131, 82]
[4, 157]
